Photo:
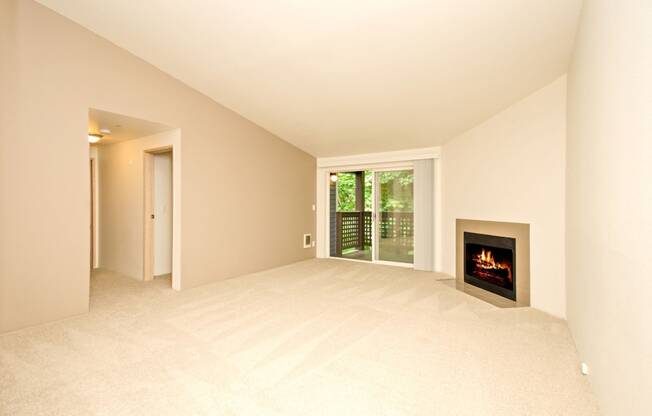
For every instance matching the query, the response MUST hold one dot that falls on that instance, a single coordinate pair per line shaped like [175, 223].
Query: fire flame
[485, 260]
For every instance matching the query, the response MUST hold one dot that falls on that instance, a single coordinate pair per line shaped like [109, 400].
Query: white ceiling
[122, 127]
[337, 77]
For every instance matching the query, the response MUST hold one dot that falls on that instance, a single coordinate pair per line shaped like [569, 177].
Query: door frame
[148, 208]
[94, 252]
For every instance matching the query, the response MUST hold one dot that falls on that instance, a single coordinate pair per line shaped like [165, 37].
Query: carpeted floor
[320, 337]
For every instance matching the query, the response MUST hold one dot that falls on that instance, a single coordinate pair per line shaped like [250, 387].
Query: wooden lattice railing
[397, 225]
[354, 229]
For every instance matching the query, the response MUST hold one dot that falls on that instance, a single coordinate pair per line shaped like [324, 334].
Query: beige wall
[246, 194]
[511, 168]
[609, 202]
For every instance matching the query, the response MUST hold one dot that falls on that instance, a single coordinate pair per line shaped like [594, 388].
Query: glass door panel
[394, 197]
[350, 203]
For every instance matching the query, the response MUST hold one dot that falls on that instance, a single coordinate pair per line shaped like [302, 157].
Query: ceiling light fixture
[94, 138]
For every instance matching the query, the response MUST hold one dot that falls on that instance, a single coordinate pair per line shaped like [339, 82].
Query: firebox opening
[489, 263]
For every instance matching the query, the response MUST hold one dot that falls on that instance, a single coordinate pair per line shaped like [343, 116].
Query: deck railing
[354, 228]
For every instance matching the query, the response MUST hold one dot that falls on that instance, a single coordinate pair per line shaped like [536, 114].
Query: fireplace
[489, 263]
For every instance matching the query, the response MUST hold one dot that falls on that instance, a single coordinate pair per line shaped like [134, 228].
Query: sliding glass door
[372, 216]
[394, 216]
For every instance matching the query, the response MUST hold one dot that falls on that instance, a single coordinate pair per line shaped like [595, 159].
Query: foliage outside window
[400, 199]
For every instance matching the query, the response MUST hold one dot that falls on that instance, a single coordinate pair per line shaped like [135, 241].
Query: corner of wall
[511, 168]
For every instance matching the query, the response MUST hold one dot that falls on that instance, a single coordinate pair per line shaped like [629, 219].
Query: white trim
[407, 164]
[382, 157]
[377, 262]
[394, 263]
[96, 207]
[321, 234]
[375, 216]
[355, 260]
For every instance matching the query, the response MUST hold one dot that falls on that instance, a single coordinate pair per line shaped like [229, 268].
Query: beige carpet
[321, 337]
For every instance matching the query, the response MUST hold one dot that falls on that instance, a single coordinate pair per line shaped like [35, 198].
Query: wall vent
[307, 240]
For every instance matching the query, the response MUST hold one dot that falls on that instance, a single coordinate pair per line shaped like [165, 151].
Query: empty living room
[312, 207]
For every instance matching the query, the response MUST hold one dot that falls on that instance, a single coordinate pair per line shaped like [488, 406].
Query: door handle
[152, 216]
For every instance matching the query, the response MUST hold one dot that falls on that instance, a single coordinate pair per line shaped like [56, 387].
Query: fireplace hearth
[489, 263]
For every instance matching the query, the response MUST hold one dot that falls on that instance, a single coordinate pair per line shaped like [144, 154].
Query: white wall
[512, 168]
[609, 202]
[122, 203]
[162, 213]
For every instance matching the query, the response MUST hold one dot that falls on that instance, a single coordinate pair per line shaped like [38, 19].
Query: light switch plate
[584, 368]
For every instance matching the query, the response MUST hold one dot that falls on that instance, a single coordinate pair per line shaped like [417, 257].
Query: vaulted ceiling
[337, 77]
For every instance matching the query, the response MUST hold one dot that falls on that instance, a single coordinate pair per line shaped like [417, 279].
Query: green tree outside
[397, 191]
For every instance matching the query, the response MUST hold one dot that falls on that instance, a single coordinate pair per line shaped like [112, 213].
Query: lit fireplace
[489, 263]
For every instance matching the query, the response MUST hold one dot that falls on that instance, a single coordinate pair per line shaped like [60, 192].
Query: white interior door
[162, 213]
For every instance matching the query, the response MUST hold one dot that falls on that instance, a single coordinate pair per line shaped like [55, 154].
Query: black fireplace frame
[491, 241]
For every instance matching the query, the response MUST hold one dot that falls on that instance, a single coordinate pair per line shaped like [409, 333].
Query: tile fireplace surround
[518, 231]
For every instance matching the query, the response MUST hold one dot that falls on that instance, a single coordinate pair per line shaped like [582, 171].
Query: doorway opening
[135, 198]
[371, 215]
